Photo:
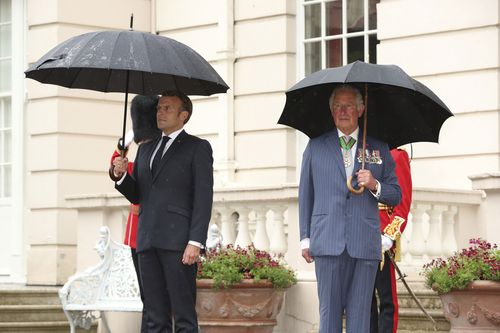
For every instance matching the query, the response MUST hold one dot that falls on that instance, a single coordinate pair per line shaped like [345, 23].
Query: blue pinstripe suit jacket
[331, 216]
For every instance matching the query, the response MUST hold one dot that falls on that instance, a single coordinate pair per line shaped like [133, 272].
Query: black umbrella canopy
[102, 60]
[400, 109]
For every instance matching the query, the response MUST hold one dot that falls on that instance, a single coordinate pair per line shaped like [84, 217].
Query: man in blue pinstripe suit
[340, 231]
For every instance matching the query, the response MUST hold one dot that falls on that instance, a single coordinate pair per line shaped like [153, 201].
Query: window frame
[366, 33]
[7, 94]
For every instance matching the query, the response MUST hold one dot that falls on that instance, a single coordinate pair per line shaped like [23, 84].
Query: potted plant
[240, 290]
[468, 284]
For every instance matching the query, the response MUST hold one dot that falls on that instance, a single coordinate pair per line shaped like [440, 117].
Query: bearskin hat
[143, 113]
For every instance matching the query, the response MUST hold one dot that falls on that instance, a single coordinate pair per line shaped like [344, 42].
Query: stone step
[32, 309]
[414, 319]
[429, 302]
[29, 313]
[41, 327]
[411, 317]
[14, 294]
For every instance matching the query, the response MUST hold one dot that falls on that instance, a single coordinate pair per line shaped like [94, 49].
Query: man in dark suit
[339, 230]
[173, 182]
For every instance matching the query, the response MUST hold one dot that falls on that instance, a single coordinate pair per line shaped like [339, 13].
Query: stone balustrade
[440, 221]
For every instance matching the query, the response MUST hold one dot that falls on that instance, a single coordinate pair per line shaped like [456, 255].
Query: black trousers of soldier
[384, 316]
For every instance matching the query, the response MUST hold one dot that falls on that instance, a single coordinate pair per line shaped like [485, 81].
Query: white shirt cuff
[195, 244]
[121, 179]
[379, 189]
[304, 243]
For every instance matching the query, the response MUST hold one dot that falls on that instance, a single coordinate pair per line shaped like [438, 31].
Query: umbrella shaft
[125, 111]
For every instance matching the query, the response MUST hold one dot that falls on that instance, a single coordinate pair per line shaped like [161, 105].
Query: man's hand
[366, 179]
[191, 254]
[307, 256]
[386, 243]
[120, 165]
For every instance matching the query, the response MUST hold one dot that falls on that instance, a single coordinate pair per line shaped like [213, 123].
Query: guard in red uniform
[384, 317]
[144, 128]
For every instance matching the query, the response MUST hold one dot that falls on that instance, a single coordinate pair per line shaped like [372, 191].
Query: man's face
[169, 116]
[345, 111]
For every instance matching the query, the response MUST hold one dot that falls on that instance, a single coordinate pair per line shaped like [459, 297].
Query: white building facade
[56, 143]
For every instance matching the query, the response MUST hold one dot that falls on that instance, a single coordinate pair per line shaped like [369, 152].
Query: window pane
[372, 18]
[7, 144]
[355, 49]
[5, 11]
[355, 15]
[5, 120]
[313, 57]
[372, 39]
[312, 20]
[334, 53]
[5, 69]
[5, 40]
[8, 181]
[333, 17]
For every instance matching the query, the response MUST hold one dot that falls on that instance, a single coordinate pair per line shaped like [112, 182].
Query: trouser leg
[359, 295]
[135, 260]
[181, 288]
[156, 297]
[328, 275]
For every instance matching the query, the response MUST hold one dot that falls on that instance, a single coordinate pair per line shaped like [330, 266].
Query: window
[338, 32]
[5, 99]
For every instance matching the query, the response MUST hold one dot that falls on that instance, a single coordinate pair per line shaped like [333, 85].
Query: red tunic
[133, 218]
[404, 178]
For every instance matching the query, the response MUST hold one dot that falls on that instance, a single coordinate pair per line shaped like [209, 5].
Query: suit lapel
[332, 143]
[179, 140]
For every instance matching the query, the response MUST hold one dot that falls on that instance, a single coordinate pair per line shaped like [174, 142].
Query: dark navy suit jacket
[176, 202]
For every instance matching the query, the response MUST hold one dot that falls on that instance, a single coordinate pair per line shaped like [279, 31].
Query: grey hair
[346, 87]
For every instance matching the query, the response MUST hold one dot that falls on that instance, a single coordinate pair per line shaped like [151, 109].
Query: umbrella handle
[123, 154]
[352, 189]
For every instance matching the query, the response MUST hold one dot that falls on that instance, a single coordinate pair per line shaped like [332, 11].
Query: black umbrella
[127, 61]
[398, 108]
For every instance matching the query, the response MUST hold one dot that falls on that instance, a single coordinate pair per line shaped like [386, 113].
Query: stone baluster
[434, 238]
[278, 244]
[417, 244]
[227, 225]
[405, 240]
[449, 239]
[243, 238]
[261, 239]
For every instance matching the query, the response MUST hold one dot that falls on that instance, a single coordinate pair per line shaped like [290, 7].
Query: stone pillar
[489, 211]
[225, 161]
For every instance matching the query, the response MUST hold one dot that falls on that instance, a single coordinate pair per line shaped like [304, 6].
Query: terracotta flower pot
[246, 307]
[475, 309]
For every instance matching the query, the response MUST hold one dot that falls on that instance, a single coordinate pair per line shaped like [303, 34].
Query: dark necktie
[159, 154]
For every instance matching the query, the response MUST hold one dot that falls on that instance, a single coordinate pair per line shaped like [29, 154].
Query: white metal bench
[109, 286]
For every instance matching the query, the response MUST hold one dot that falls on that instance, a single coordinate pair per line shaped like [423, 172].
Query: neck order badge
[346, 142]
